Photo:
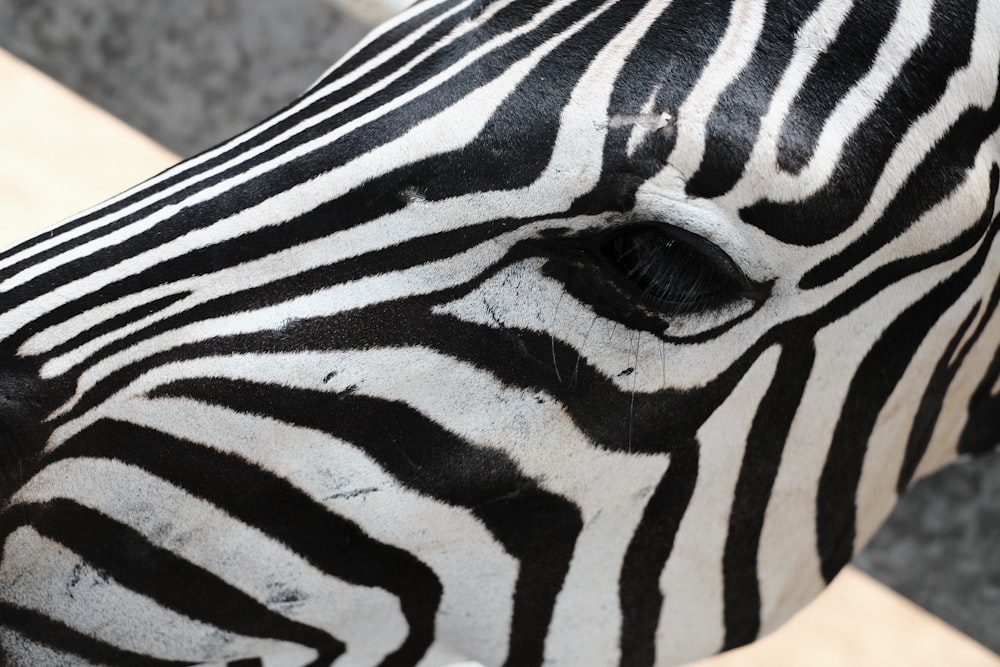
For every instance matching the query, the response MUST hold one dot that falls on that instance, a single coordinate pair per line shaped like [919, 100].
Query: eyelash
[673, 271]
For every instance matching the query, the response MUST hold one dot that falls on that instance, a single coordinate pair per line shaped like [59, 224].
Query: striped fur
[366, 386]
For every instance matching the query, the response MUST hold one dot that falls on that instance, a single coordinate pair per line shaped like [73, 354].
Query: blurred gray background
[188, 74]
[191, 74]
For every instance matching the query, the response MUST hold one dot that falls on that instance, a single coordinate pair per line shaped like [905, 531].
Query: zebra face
[580, 332]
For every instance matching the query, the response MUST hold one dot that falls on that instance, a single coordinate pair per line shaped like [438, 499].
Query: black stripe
[838, 68]
[388, 39]
[981, 432]
[102, 327]
[273, 506]
[765, 444]
[647, 554]
[537, 527]
[401, 256]
[249, 662]
[50, 633]
[524, 128]
[932, 401]
[378, 131]
[191, 173]
[945, 168]
[918, 86]
[518, 358]
[871, 386]
[671, 56]
[731, 129]
[151, 571]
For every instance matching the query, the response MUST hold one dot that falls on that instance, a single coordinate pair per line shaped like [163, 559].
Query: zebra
[575, 332]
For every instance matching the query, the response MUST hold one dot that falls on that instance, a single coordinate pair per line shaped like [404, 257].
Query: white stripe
[746, 21]
[452, 128]
[154, 193]
[340, 298]
[954, 415]
[39, 574]
[21, 651]
[414, 10]
[237, 554]
[470, 564]
[521, 296]
[692, 623]
[528, 426]
[765, 179]
[788, 565]
[814, 37]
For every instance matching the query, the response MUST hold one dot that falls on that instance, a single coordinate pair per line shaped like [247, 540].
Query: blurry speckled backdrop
[191, 74]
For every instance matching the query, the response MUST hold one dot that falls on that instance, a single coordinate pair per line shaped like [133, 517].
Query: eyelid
[695, 303]
[738, 287]
[704, 220]
[713, 253]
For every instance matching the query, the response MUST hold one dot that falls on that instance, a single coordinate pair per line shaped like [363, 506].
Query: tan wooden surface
[858, 622]
[59, 155]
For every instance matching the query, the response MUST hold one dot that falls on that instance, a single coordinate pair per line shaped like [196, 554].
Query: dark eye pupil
[670, 274]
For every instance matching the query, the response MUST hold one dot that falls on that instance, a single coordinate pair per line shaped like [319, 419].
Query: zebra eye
[673, 271]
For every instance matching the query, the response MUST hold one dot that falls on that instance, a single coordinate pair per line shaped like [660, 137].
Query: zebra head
[584, 332]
